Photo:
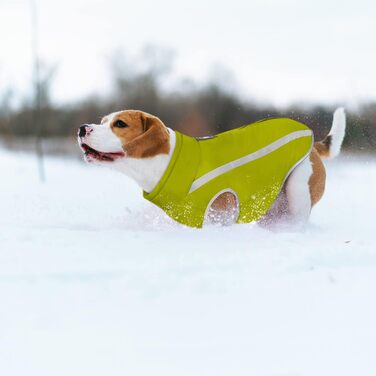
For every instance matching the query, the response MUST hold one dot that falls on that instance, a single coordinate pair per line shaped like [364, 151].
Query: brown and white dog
[140, 145]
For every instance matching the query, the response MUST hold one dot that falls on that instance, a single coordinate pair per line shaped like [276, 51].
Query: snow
[96, 281]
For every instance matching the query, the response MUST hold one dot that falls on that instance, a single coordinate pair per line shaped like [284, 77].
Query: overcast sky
[278, 51]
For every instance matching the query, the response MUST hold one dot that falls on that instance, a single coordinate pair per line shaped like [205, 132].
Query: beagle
[142, 147]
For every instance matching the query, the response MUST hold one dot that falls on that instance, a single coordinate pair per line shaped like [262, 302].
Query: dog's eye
[120, 124]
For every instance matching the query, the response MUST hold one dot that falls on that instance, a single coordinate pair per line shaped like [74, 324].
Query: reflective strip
[248, 158]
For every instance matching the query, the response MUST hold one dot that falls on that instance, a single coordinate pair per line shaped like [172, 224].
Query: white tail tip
[337, 132]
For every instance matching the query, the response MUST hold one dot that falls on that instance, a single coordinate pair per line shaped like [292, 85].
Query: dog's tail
[330, 146]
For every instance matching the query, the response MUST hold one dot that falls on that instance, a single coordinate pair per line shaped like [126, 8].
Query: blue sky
[279, 52]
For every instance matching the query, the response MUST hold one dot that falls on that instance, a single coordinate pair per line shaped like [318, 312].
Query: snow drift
[96, 281]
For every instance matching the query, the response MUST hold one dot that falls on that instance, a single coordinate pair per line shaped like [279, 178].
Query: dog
[139, 145]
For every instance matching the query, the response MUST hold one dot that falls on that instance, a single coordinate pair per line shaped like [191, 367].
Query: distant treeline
[196, 111]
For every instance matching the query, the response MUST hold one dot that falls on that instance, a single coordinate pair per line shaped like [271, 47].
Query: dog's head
[124, 134]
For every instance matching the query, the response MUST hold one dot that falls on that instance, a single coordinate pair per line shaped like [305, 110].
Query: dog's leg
[277, 215]
[224, 210]
[298, 194]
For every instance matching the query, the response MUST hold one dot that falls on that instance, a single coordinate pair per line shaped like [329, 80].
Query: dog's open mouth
[91, 153]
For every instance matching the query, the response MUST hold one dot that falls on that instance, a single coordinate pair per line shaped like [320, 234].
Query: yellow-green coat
[252, 161]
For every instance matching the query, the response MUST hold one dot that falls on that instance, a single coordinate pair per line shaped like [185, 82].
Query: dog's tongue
[110, 156]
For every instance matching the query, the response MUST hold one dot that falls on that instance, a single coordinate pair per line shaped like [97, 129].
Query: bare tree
[37, 124]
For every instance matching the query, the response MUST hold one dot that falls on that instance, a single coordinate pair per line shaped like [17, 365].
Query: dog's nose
[82, 131]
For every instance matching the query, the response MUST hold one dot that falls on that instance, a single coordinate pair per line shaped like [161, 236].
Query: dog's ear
[153, 140]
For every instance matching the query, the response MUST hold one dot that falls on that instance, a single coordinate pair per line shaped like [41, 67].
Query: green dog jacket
[252, 162]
